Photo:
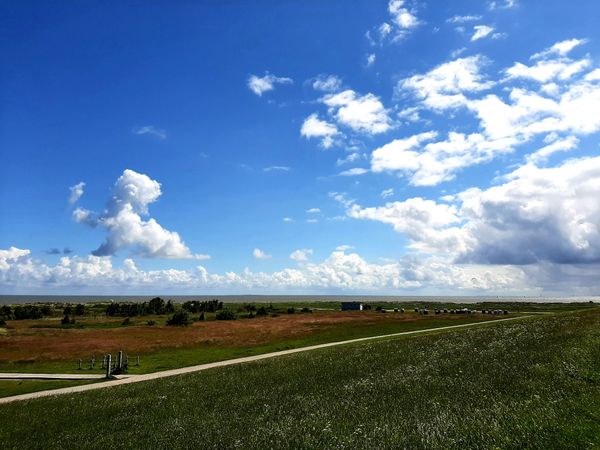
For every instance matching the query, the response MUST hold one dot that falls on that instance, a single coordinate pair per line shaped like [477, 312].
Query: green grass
[17, 387]
[533, 383]
[171, 358]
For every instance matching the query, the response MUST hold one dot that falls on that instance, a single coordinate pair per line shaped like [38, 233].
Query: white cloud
[11, 255]
[371, 59]
[339, 272]
[402, 17]
[277, 169]
[567, 102]
[361, 113]
[313, 127]
[502, 4]
[354, 172]
[132, 194]
[152, 130]
[561, 48]
[259, 254]
[301, 255]
[539, 215]
[260, 85]
[547, 70]
[444, 86]
[327, 83]
[312, 221]
[481, 31]
[560, 145]
[387, 193]
[352, 157]
[288, 219]
[76, 192]
[313, 211]
[463, 19]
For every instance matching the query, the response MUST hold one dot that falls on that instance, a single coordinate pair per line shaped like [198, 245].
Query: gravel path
[169, 373]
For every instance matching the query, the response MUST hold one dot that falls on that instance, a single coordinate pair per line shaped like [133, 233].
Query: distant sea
[15, 299]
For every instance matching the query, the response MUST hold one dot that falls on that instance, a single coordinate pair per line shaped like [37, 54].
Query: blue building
[352, 306]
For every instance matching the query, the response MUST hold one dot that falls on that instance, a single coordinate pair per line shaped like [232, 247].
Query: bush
[180, 318]
[68, 310]
[225, 314]
[291, 310]
[2, 322]
[151, 323]
[306, 310]
[262, 311]
[126, 322]
[195, 306]
[67, 321]
[201, 316]
[28, 312]
[80, 309]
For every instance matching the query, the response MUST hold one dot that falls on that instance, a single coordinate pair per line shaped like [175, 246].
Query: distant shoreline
[22, 299]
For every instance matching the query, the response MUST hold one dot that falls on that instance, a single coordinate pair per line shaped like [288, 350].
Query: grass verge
[533, 383]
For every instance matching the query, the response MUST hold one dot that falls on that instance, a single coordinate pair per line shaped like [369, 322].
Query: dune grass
[533, 383]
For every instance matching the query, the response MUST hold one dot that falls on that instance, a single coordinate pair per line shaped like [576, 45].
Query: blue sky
[273, 147]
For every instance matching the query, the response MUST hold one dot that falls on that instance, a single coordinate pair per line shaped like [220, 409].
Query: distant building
[352, 306]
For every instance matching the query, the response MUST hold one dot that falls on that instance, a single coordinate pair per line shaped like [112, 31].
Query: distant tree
[306, 310]
[262, 311]
[180, 318]
[5, 312]
[201, 316]
[169, 307]
[2, 322]
[68, 310]
[225, 314]
[80, 309]
[66, 320]
[291, 310]
[156, 306]
[28, 312]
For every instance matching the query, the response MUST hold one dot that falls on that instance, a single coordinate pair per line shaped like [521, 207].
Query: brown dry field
[22, 343]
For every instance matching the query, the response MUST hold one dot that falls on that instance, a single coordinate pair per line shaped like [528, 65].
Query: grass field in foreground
[533, 383]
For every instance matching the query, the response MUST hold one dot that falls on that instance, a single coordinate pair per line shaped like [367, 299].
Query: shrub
[2, 322]
[28, 312]
[306, 310]
[80, 309]
[201, 316]
[291, 310]
[66, 320]
[225, 314]
[6, 312]
[180, 318]
[126, 322]
[151, 323]
[68, 310]
[262, 311]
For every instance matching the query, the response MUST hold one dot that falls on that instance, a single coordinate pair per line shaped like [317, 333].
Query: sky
[272, 147]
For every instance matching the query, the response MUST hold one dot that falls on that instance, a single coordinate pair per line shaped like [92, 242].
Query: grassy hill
[532, 383]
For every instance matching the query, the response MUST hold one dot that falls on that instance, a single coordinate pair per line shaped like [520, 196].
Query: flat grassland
[533, 383]
[44, 346]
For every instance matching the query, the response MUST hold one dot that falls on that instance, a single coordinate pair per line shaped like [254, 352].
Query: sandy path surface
[229, 362]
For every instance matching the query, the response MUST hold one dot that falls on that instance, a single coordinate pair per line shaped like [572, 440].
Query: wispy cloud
[151, 130]
[277, 169]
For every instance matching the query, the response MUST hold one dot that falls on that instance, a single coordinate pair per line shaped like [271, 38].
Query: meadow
[531, 383]
[45, 346]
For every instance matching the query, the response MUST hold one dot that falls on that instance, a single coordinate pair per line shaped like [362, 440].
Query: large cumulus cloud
[126, 229]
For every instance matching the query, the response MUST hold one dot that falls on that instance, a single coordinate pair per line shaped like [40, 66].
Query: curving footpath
[230, 362]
